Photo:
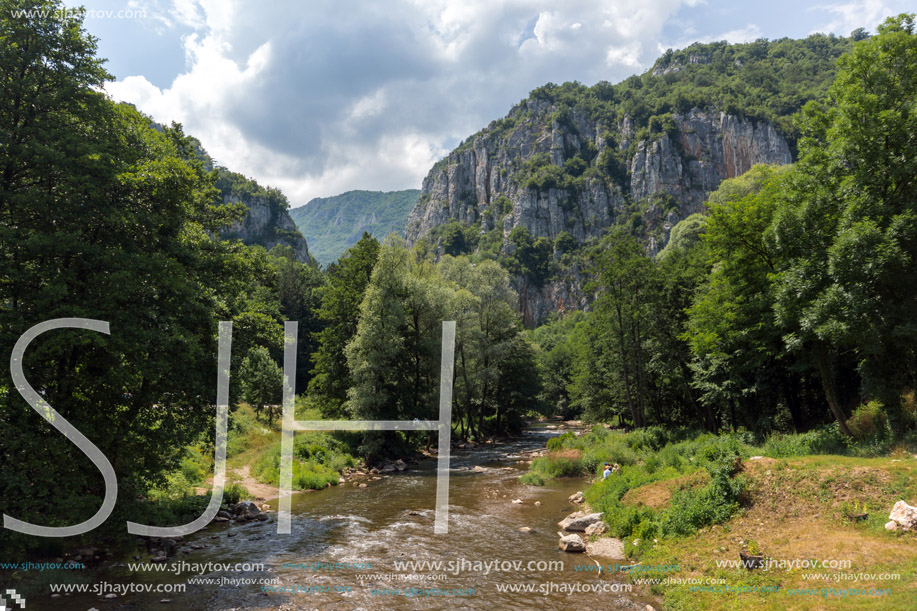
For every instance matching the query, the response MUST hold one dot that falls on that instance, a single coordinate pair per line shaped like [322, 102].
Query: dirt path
[259, 492]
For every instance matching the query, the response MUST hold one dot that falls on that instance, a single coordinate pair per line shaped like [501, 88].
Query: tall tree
[854, 289]
[394, 355]
[625, 279]
[339, 313]
[100, 217]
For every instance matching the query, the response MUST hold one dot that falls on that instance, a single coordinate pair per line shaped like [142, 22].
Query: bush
[868, 421]
[826, 440]
[532, 479]
[557, 443]
[233, 493]
[195, 466]
[318, 459]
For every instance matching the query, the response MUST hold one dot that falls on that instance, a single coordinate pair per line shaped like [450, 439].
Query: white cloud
[747, 34]
[848, 16]
[628, 55]
[323, 97]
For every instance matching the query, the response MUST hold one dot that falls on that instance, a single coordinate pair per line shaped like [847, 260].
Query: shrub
[868, 421]
[194, 466]
[235, 492]
[532, 479]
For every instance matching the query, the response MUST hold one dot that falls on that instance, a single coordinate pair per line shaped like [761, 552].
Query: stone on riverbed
[572, 544]
[577, 497]
[246, 510]
[579, 521]
[596, 528]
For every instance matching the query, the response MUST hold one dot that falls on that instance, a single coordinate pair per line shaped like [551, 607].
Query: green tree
[496, 372]
[339, 314]
[625, 278]
[262, 382]
[298, 290]
[101, 217]
[854, 290]
[731, 332]
[394, 354]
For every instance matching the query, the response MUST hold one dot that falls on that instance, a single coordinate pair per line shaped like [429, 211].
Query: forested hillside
[571, 161]
[333, 224]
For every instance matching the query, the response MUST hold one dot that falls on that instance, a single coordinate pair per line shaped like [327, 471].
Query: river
[389, 521]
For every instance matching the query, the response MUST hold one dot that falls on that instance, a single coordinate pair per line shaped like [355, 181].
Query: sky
[319, 97]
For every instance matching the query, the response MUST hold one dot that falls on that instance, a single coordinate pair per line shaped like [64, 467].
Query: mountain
[333, 224]
[571, 161]
[267, 222]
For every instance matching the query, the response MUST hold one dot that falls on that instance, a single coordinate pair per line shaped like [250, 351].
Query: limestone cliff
[267, 222]
[641, 154]
[685, 163]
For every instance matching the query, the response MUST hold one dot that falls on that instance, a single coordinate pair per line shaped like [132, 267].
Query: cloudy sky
[319, 97]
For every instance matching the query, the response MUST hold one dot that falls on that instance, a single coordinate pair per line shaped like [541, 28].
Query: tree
[854, 290]
[394, 355]
[339, 314]
[101, 217]
[262, 382]
[298, 289]
[624, 280]
[730, 329]
[496, 374]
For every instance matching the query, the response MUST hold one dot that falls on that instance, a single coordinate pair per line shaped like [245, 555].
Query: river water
[388, 521]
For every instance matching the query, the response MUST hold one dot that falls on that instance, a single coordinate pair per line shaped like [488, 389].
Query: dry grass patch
[657, 495]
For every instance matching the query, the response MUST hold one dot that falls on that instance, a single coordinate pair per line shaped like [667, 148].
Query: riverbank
[698, 501]
[387, 529]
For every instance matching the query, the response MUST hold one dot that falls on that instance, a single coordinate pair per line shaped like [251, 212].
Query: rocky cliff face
[707, 148]
[267, 225]
[686, 164]
[550, 172]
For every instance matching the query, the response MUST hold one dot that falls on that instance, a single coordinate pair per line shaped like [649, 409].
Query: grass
[691, 499]
[319, 458]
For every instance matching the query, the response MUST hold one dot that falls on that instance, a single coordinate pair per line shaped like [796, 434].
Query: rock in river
[579, 521]
[572, 543]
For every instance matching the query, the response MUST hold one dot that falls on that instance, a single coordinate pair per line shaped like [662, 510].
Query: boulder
[891, 526]
[517, 501]
[596, 528]
[904, 515]
[87, 552]
[526, 529]
[246, 510]
[577, 497]
[572, 544]
[223, 514]
[576, 514]
[480, 469]
[169, 545]
[579, 521]
[400, 465]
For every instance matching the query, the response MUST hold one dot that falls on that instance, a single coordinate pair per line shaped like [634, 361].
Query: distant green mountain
[331, 225]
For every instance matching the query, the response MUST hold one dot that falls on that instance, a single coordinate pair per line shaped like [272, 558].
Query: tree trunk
[825, 367]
